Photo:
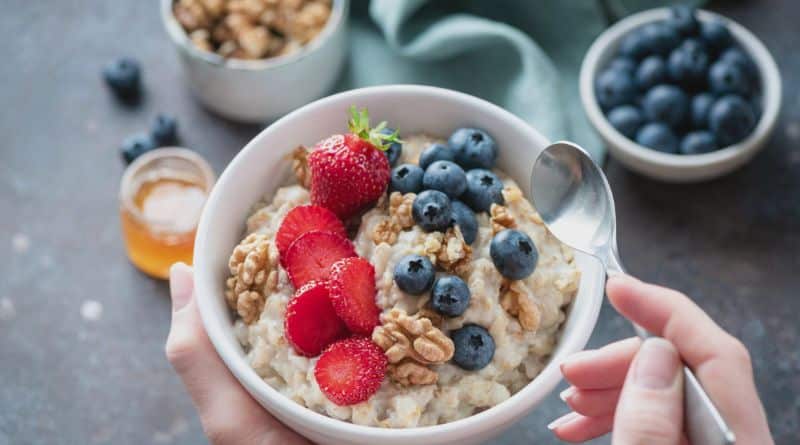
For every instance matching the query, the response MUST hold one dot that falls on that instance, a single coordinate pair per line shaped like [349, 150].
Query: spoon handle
[703, 422]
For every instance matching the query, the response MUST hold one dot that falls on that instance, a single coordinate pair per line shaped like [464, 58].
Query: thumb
[650, 408]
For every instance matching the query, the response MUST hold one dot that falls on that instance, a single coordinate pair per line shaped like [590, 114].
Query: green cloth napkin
[523, 55]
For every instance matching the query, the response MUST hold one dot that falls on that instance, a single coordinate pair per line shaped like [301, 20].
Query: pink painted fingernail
[563, 420]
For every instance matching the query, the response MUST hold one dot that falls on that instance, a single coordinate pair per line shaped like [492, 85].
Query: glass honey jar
[161, 196]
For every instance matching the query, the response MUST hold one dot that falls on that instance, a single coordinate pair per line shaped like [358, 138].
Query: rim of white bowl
[339, 10]
[518, 403]
[771, 88]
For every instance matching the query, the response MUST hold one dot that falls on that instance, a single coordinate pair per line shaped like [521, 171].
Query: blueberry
[634, 45]
[513, 254]
[726, 77]
[473, 148]
[124, 77]
[683, 19]
[614, 88]
[432, 211]
[716, 35]
[626, 119]
[436, 152]
[450, 296]
[483, 189]
[699, 109]
[739, 57]
[414, 274]
[446, 177]
[667, 104]
[622, 63]
[395, 148]
[657, 136]
[464, 218]
[651, 72]
[698, 142]
[164, 130]
[660, 38]
[731, 119]
[135, 146]
[474, 347]
[688, 64]
[406, 178]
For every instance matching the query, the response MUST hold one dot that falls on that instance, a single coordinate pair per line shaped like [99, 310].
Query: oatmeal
[425, 383]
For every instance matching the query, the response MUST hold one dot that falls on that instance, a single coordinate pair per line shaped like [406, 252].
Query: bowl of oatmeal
[295, 209]
[256, 60]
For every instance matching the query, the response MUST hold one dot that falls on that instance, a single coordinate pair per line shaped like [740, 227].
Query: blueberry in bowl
[650, 82]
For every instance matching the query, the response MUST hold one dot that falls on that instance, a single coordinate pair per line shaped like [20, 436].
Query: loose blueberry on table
[123, 76]
[135, 146]
[668, 77]
[164, 130]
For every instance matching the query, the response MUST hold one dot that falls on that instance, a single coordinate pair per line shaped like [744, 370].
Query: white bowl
[260, 168]
[263, 90]
[673, 167]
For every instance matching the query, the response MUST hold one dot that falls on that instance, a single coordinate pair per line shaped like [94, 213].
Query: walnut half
[517, 301]
[300, 166]
[400, 218]
[411, 343]
[254, 274]
[501, 219]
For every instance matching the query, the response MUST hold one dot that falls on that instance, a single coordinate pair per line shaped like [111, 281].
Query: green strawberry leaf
[359, 126]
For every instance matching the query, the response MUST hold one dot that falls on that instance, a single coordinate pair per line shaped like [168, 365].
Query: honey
[161, 199]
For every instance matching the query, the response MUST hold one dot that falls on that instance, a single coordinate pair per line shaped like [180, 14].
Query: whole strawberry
[350, 171]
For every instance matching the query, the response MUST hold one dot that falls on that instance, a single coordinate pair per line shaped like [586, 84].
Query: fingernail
[577, 357]
[180, 285]
[567, 393]
[563, 420]
[657, 364]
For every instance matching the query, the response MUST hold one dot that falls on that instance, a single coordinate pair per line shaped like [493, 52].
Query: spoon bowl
[574, 200]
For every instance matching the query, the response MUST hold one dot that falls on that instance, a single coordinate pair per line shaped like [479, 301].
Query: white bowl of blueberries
[679, 94]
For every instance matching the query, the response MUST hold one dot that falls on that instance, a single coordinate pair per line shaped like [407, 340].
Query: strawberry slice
[302, 219]
[311, 324]
[311, 256]
[352, 292]
[350, 371]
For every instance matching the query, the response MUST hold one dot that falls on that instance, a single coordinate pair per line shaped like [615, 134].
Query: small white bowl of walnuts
[256, 60]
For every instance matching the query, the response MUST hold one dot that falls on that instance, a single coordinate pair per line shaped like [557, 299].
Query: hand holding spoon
[572, 196]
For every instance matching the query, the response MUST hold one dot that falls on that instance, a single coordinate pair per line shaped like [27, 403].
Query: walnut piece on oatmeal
[254, 274]
[501, 218]
[399, 218]
[300, 165]
[411, 342]
[447, 250]
[400, 206]
[517, 300]
[408, 373]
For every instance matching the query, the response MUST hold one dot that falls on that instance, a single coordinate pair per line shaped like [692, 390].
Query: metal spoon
[572, 195]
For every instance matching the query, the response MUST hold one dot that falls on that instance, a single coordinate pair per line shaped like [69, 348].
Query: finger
[719, 360]
[228, 413]
[591, 402]
[575, 428]
[650, 408]
[602, 368]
